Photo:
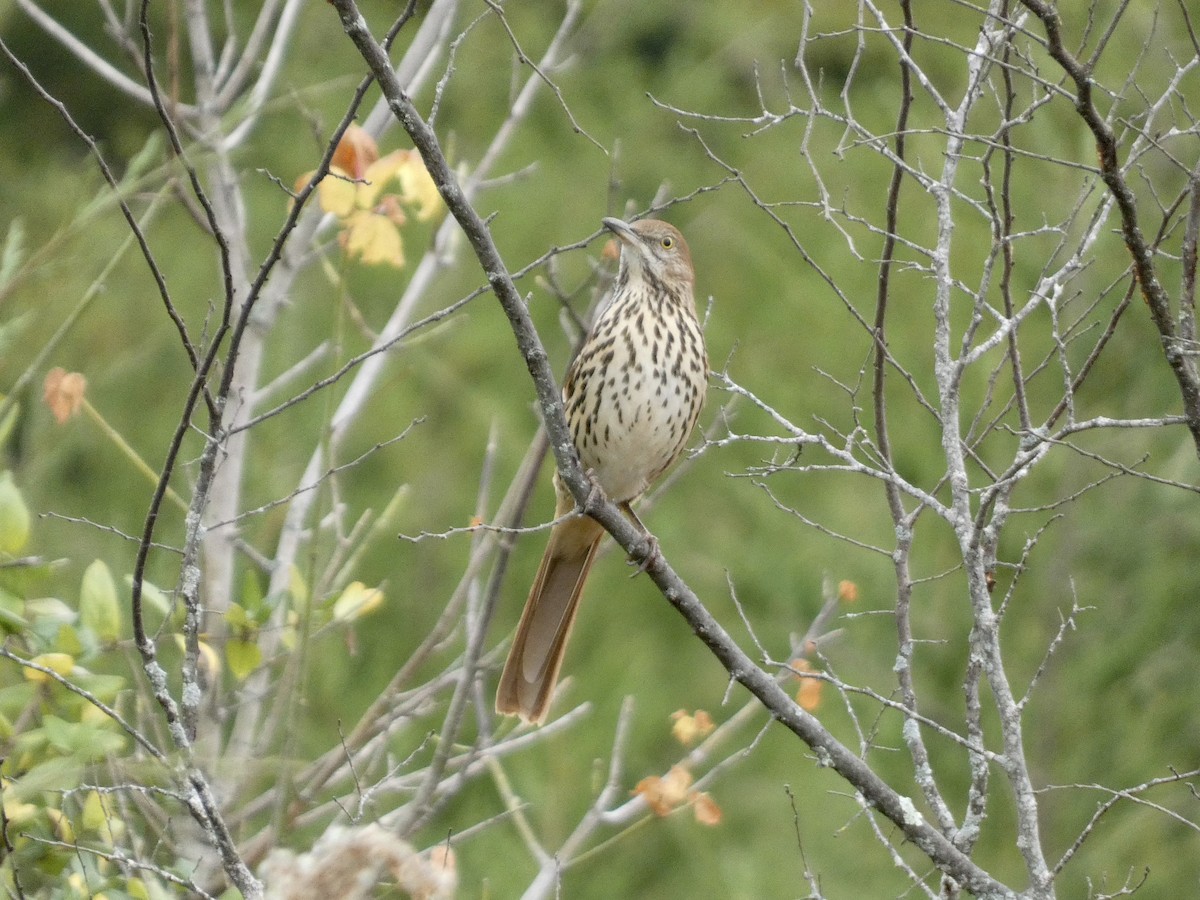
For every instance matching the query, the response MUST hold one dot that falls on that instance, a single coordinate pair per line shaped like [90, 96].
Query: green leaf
[156, 599]
[243, 657]
[13, 252]
[67, 641]
[54, 774]
[11, 608]
[29, 577]
[14, 516]
[104, 687]
[51, 609]
[150, 155]
[99, 606]
[15, 697]
[237, 617]
[252, 596]
[298, 588]
[85, 740]
[10, 418]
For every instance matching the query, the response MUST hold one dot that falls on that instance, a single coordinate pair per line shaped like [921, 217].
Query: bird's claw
[651, 553]
[595, 498]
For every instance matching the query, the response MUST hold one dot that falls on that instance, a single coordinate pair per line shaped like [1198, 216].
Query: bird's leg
[595, 497]
[651, 541]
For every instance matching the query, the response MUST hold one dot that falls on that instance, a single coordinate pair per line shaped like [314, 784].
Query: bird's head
[655, 250]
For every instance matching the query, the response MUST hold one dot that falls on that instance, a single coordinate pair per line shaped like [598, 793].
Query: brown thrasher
[632, 396]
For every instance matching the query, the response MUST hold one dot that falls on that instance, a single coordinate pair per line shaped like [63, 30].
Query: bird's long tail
[541, 640]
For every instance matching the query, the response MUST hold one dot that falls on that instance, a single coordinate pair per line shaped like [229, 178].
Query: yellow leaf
[93, 812]
[380, 174]
[418, 188]
[19, 813]
[338, 195]
[373, 239]
[356, 601]
[688, 728]
[61, 825]
[209, 661]
[16, 811]
[99, 818]
[60, 663]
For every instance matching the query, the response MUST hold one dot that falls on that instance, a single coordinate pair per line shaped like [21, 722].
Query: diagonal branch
[900, 810]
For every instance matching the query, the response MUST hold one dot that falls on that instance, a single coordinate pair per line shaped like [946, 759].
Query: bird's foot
[649, 555]
[595, 498]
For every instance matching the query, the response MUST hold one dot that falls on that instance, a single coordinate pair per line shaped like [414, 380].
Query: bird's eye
[668, 242]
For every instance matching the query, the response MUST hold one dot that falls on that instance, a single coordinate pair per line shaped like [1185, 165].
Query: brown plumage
[632, 397]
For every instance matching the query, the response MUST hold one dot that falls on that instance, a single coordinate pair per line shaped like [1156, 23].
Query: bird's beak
[623, 230]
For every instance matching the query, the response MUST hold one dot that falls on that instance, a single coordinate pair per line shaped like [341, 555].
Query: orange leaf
[389, 207]
[63, 392]
[676, 784]
[355, 151]
[651, 788]
[801, 666]
[665, 793]
[809, 694]
[705, 809]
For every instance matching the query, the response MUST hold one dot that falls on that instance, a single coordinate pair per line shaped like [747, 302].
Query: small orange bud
[63, 392]
[847, 592]
[809, 694]
[663, 794]
[705, 809]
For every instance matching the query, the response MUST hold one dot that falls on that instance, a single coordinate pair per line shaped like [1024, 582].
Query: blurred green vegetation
[1116, 705]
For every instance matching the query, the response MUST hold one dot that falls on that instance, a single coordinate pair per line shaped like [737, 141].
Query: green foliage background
[1117, 702]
